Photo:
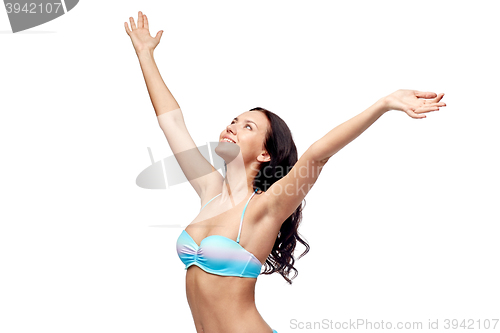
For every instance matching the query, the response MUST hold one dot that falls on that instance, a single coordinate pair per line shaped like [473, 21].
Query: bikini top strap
[242, 214]
[210, 200]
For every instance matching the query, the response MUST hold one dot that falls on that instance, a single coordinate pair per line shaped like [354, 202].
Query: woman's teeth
[227, 140]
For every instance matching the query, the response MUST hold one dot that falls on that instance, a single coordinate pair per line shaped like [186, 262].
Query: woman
[223, 257]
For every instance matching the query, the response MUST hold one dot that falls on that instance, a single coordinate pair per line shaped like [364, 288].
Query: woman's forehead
[256, 116]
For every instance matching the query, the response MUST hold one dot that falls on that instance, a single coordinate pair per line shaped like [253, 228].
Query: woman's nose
[229, 128]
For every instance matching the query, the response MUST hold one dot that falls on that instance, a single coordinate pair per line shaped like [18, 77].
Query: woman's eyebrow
[247, 121]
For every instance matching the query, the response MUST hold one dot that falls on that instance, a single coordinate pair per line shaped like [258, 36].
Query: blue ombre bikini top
[219, 255]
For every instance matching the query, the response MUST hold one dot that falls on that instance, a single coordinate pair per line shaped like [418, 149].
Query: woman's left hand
[413, 102]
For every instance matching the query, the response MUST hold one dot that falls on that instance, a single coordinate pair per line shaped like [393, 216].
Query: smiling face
[248, 132]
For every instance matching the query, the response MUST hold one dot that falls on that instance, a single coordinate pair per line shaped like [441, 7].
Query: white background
[403, 222]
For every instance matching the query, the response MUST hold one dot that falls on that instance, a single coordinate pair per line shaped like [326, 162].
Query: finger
[427, 109]
[412, 114]
[431, 103]
[146, 24]
[132, 24]
[440, 104]
[127, 29]
[140, 21]
[438, 98]
[426, 94]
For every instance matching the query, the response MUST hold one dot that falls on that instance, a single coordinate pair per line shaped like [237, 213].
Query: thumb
[158, 35]
[425, 94]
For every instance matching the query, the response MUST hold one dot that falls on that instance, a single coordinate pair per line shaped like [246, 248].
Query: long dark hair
[283, 152]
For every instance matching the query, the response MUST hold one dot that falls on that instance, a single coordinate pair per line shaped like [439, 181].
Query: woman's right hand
[141, 39]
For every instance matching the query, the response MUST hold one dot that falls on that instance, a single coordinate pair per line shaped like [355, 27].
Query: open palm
[414, 102]
[141, 38]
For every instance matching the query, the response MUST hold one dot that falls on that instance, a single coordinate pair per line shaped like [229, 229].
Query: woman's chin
[227, 151]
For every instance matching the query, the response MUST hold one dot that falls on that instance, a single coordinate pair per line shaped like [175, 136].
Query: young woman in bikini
[223, 256]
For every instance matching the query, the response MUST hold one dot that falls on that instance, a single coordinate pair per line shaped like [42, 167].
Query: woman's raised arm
[284, 196]
[410, 101]
[200, 173]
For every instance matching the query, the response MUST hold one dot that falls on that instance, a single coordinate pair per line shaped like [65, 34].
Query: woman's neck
[238, 182]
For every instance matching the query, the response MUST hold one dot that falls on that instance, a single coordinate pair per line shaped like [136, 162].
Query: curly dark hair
[283, 152]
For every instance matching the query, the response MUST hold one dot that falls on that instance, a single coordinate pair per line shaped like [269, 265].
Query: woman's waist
[233, 315]
[209, 289]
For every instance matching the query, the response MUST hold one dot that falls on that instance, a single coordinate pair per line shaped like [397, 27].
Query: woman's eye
[245, 126]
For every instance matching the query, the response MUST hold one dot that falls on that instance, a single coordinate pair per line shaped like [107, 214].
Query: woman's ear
[264, 157]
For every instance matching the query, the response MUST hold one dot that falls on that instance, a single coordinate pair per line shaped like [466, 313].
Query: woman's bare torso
[221, 304]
